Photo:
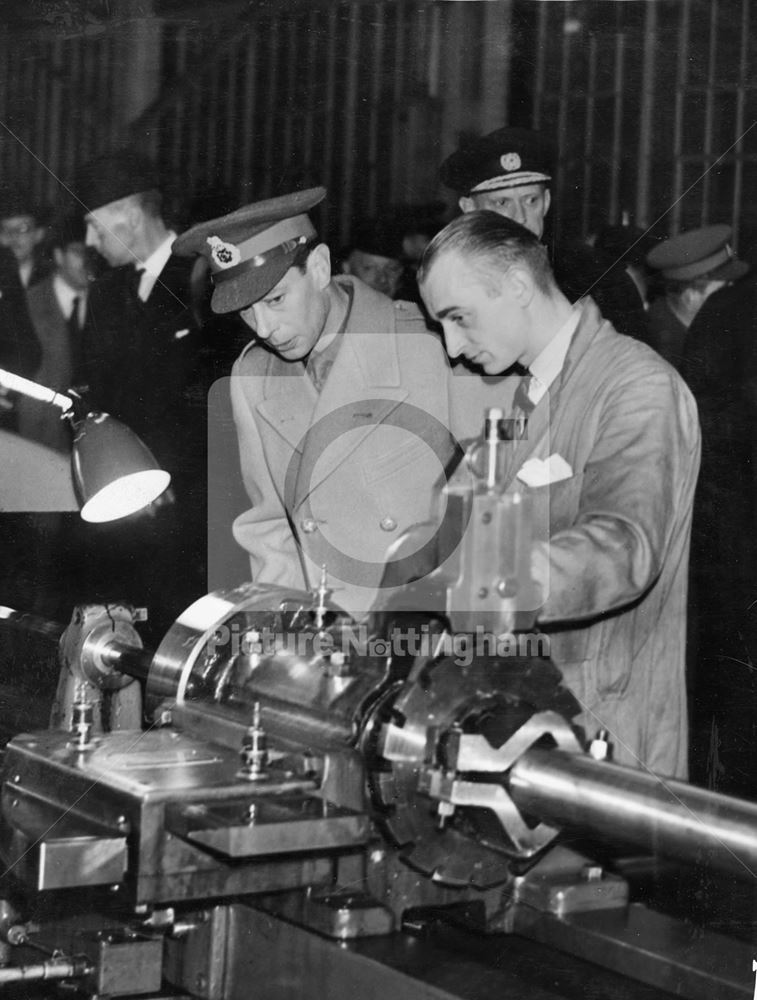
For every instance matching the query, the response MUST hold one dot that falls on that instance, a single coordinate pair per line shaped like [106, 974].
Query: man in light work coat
[619, 428]
[343, 403]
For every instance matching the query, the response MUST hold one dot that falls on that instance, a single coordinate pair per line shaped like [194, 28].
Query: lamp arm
[25, 386]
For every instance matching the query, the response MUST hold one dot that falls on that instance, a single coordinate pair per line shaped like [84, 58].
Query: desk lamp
[114, 472]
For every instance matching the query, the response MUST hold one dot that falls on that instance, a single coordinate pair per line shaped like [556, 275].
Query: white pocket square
[544, 471]
[180, 333]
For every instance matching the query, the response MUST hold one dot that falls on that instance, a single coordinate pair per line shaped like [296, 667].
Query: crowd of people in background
[94, 299]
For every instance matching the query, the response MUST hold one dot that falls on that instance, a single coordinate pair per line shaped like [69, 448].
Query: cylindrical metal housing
[663, 816]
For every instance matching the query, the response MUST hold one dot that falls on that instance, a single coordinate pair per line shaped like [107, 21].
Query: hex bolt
[254, 752]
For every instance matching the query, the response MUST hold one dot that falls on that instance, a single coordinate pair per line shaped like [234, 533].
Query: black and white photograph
[378, 499]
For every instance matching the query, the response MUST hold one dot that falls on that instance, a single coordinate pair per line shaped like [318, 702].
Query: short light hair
[493, 243]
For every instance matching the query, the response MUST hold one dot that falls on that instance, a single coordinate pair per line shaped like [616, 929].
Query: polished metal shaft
[637, 807]
[53, 968]
[119, 655]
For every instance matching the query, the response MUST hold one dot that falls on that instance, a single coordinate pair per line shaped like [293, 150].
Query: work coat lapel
[546, 414]
[536, 441]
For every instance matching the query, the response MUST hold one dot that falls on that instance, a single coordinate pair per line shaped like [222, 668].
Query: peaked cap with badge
[699, 253]
[250, 250]
[506, 158]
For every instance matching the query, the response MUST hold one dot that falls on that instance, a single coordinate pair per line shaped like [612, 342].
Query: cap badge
[223, 254]
[510, 161]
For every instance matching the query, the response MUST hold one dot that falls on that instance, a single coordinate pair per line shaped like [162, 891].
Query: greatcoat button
[387, 524]
[309, 525]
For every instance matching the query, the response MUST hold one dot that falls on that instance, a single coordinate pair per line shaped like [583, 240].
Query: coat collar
[363, 390]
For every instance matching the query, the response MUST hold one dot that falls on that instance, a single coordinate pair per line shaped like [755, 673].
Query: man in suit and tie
[140, 349]
[614, 430]
[23, 231]
[342, 403]
[57, 306]
[140, 340]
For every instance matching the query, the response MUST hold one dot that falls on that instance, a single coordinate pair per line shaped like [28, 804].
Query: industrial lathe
[280, 802]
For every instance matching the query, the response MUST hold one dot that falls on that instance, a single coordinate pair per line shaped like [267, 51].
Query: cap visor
[242, 291]
[732, 270]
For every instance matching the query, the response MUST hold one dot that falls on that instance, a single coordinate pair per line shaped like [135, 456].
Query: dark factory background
[650, 103]
[652, 106]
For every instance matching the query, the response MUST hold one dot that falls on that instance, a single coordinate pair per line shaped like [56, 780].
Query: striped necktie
[522, 407]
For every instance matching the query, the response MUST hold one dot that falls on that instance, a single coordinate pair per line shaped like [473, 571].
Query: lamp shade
[115, 474]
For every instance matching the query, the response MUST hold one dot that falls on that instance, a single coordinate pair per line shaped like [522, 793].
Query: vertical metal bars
[373, 114]
[400, 46]
[617, 127]
[40, 126]
[681, 78]
[330, 97]
[590, 100]
[291, 133]
[230, 114]
[646, 117]
[541, 64]
[738, 150]
[336, 90]
[350, 107]
[271, 90]
[311, 89]
[52, 145]
[709, 112]
[176, 151]
[562, 110]
[248, 108]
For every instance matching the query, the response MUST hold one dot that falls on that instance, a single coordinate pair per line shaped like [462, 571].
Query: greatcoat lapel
[362, 391]
[289, 399]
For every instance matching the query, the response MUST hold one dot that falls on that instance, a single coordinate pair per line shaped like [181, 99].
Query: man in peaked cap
[691, 266]
[506, 171]
[704, 324]
[140, 345]
[342, 403]
[509, 171]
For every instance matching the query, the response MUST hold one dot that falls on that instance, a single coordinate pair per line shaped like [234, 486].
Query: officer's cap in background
[509, 157]
[114, 176]
[251, 249]
[699, 253]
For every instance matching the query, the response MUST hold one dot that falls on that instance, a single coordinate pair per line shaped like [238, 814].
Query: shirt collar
[547, 365]
[331, 332]
[66, 295]
[25, 272]
[158, 258]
